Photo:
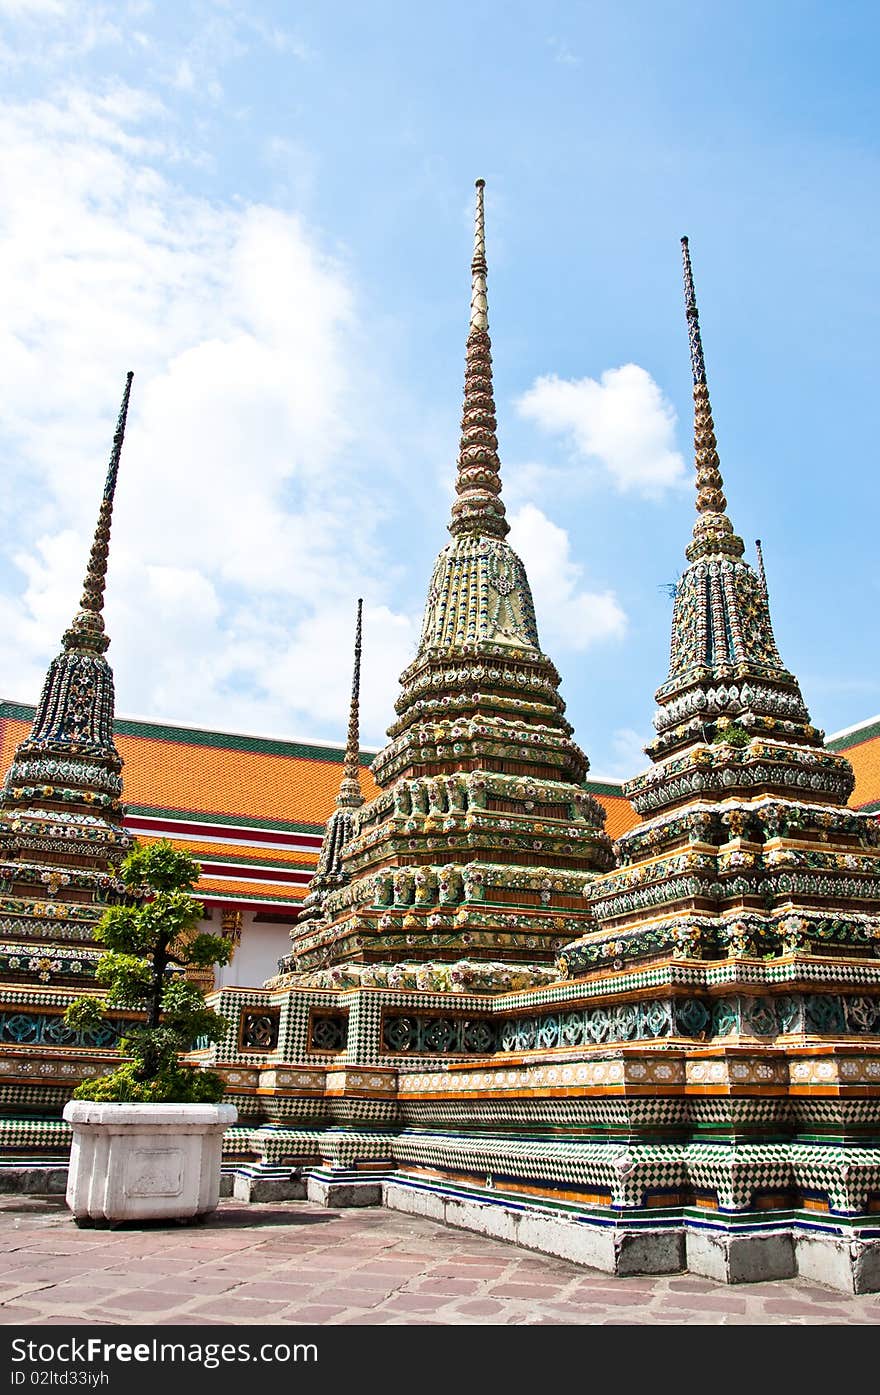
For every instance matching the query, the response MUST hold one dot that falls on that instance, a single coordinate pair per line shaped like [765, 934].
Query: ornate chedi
[62, 841]
[478, 847]
[747, 847]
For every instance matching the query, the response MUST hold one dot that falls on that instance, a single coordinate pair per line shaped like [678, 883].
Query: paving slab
[290, 1263]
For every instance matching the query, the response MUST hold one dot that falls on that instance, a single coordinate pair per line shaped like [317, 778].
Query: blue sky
[265, 211]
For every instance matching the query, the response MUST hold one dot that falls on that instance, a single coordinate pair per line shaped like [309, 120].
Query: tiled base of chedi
[61, 841]
[696, 1082]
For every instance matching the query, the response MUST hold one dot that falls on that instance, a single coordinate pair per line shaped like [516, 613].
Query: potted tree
[147, 1137]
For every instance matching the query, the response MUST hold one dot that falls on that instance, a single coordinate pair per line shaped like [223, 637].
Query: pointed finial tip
[480, 184]
[684, 242]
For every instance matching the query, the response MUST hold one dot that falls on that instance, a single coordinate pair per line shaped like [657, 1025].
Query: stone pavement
[296, 1263]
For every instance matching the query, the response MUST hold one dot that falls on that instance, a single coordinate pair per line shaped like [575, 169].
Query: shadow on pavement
[225, 1217]
[256, 1215]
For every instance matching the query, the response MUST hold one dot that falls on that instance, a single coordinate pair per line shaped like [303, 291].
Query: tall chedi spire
[712, 531]
[76, 704]
[746, 847]
[471, 860]
[87, 631]
[61, 799]
[478, 509]
[350, 795]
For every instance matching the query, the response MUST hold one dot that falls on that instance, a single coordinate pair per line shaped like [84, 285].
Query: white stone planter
[140, 1162]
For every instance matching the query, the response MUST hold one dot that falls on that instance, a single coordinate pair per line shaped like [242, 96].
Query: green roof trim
[854, 738]
[611, 791]
[152, 811]
[219, 740]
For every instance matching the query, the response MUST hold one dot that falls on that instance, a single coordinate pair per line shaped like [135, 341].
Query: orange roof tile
[619, 814]
[170, 775]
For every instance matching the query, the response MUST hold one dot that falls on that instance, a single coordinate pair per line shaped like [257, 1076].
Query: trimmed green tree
[149, 948]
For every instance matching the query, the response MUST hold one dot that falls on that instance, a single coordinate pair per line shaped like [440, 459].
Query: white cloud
[568, 617]
[241, 538]
[622, 425]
